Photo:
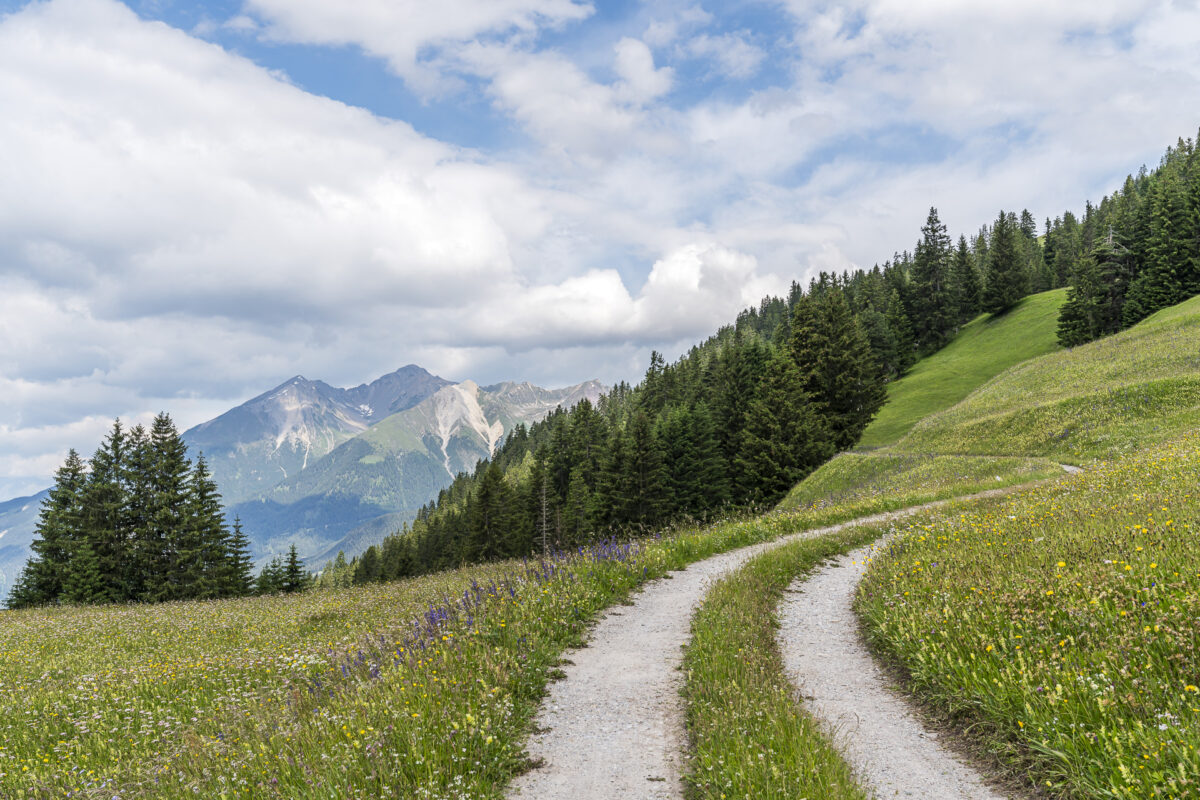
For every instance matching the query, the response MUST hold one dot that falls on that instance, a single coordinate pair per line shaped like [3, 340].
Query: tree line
[138, 522]
[734, 423]
[1135, 253]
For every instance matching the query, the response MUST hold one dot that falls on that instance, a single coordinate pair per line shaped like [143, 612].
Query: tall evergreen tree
[1007, 279]
[967, 290]
[934, 315]
[106, 522]
[203, 542]
[898, 324]
[1165, 278]
[168, 554]
[56, 538]
[84, 582]
[785, 437]
[294, 576]
[837, 371]
[237, 575]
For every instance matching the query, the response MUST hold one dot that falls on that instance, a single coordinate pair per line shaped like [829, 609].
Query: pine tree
[167, 552]
[237, 575]
[576, 522]
[933, 312]
[488, 517]
[294, 578]
[966, 283]
[203, 554]
[785, 437]
[270, 578]
[1165, 277]
[898, 324]
[833, 356]
[105, 523]
[58, 532]
[883, 343]
[645, 479]
[84, 581]
[1007, 279]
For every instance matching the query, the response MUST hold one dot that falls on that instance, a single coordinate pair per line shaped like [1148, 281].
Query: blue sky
[203, 199]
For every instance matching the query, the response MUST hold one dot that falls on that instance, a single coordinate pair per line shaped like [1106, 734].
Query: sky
[199, 200]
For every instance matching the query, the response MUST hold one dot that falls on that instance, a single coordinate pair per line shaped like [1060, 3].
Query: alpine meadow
[674, 497]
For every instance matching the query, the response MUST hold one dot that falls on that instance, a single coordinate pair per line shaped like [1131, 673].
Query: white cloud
[733, 55]
[180, 228]
[404, 32]
[640, 81]
[688, 294]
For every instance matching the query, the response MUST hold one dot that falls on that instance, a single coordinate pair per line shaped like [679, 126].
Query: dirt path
[614, 726]
[892, 753]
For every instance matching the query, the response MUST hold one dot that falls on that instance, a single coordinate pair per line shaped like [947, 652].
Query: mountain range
[331, 469]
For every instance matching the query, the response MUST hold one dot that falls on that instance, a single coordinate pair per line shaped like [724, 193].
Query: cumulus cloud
[181, 227]
[689, 293]
[406, 32]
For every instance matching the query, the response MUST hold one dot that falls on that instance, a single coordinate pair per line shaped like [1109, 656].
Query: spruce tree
[488, 516]
[105, 524]
[1165, 277]
[901, 329]
[237, 574]
[966, 283]
[203, 543]
[644, 478]
[1007, 279]
[84, 581]
[933, 311]
[168, 553]
[294, 578]
[270, 578]
[785, 436]
[833, 356]
[56, 537]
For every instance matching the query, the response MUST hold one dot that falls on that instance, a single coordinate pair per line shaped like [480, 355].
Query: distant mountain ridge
[325, 468]
[329, 468]
[373, 481]
[272, 437]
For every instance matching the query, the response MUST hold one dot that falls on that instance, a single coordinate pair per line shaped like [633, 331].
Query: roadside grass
[870, 483]
[1058, 624]
[749, 736]
[424, 688]
[984, 347]
[1097, 401]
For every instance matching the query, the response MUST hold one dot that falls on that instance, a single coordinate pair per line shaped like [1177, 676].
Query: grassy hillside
[1059, 623]
[1099, 400]
[984, 348]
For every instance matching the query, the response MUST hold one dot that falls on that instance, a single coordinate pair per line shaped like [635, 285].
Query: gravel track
[891, 751]
[614, 725]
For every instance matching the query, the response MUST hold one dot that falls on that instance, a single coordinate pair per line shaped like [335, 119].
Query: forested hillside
[734, 423]
[1138, 251]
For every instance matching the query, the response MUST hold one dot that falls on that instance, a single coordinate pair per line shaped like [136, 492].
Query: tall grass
[870, 483]
[423, 688]
[1102, 400]
[984, 347]
[750, 737]
[1061, 623]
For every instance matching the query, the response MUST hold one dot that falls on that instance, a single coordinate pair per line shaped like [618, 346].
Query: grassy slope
[885, 479]
[1058, 624]
[1101, 400]
[984, 348]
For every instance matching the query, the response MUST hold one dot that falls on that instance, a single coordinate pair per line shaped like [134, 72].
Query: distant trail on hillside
[892, 753]
[615, 725]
